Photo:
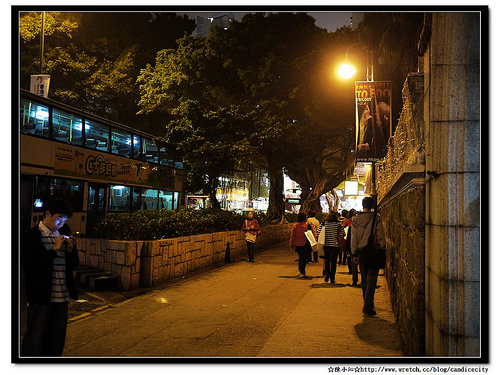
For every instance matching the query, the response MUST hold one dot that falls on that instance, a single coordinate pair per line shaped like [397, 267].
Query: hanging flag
[373, 119]
[40, 84]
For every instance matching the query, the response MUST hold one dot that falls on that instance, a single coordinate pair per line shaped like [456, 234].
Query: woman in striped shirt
[331, 226]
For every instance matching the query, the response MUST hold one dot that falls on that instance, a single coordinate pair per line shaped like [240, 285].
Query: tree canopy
[272, 68]
[94, 58]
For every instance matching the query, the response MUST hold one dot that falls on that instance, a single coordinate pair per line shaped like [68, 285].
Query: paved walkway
[259, 309]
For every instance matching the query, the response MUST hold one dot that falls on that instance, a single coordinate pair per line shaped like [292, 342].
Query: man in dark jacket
[48, 258]
[361, 230]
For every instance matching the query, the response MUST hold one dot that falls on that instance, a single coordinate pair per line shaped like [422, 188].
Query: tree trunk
[337, 200]
[276, 208]
[329, 199]
[213, 193]
[310, 199]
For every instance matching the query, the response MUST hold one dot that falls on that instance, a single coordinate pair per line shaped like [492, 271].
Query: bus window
[150, 197]
[96, 136]
[164, 158]
[34, 118]
[137, 147]
[66, 127]
[149, 151]
[48, 188]
[119, 198]
[137, 201]
[166, 199]
[179, 165]
[176, 200]
[121, 142]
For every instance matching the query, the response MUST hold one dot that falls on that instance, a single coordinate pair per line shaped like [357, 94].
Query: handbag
[321, 237]
[249, 236]
[310, 236]
[372, 255]
[321, 241]
[340, 238]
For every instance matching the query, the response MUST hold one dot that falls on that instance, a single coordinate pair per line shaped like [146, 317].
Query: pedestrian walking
[311, 219]
[48, 256]
[252, 231]
[343, 246]
[353, 267]
[361, 230]
[300, 243]
[333, 229]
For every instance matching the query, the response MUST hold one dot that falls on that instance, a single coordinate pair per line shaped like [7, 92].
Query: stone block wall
[146, 263]
[401, 193]
[404, 224]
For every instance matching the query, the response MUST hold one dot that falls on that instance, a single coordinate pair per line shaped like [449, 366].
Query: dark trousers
[46, 330]
[331, 254]
[304, 252]
[251, 250]
[369, 278]
[354, 270]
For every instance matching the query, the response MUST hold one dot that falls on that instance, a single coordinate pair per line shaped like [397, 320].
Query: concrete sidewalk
[259, 309]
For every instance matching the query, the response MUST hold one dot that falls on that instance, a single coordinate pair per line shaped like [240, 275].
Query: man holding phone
[48, 258]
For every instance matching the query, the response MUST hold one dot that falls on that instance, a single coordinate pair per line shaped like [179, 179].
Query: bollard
[228, 255]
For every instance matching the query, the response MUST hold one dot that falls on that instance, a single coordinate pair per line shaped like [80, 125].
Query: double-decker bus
[98, 165]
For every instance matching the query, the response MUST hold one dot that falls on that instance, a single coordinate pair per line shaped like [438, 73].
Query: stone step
[95, 279]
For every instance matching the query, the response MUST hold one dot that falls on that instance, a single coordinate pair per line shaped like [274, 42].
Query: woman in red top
[299, 241]
[252, 230]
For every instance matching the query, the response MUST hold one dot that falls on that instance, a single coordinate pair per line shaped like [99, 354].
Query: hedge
[156, 224]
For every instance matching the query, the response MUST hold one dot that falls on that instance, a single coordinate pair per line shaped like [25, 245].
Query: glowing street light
[346, 70]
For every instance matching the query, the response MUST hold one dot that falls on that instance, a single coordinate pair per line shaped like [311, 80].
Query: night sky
[328, 20]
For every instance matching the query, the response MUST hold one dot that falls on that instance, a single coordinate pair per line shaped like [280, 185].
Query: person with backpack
[334, 231]
[363, 226]
[353, 267]
[300, 243]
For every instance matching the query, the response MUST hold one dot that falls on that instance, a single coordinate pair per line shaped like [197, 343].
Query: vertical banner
[40, 84]
[373, 119]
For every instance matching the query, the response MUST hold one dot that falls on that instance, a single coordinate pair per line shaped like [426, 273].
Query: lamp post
[42, 42]
[347, 71]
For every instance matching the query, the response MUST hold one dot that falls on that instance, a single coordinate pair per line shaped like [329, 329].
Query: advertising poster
[374, 119]
[39, 84]
[73, 161]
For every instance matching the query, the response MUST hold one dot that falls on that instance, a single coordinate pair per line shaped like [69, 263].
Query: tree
[272, 68]
[94, 58]
[283, 61]
[208, 128]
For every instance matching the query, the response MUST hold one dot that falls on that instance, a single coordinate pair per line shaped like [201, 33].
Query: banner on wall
[373, 119]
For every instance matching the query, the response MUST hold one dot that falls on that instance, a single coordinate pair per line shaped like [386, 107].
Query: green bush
[157, 224]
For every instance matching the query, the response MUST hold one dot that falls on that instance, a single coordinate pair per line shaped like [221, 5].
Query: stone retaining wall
[402, 208]
[404, 224]
[145, 263]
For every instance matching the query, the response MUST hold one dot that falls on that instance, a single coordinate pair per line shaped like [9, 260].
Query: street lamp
[347, 70]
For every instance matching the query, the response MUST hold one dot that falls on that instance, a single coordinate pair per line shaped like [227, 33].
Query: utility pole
[42, 42]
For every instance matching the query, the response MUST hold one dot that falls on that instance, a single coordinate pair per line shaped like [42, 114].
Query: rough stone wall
[401, 196]
[145, 263]
[404, 225]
